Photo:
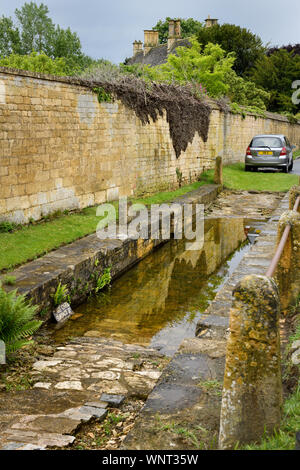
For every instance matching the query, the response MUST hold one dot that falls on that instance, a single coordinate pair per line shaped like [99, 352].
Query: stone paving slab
[92, 374]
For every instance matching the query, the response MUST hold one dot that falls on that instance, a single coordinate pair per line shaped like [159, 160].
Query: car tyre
[286, 168]
[291, 165]
[247, 168]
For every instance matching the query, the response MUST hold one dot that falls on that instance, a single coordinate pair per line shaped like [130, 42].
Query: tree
[276, 74]
[245, 92]
[10, 41]
[295, 48]
[36, 27]
[64, 43]
[207, 67]
[247, 46]
[37, 32]
[189, 27]
[39, 63]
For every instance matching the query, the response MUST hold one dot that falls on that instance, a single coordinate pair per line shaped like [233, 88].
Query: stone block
[112, 400]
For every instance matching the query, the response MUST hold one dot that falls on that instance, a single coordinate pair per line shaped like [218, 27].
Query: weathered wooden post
[288, 268]
[252, 393]
[218, 175]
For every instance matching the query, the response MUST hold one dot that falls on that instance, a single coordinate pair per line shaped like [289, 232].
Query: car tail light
[248, 151]
[283, 152]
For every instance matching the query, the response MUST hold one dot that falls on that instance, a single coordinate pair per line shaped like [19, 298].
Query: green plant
[211, 386]
[291, 118]
[9, 280]
[7, 227]
[102, 95]
[61, 295]
[103, 280]
[17, 323]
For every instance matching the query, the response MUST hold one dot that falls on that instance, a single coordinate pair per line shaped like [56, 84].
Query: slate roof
[157, 55]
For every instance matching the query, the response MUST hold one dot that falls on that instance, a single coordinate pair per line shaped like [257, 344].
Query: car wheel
[247, 168]
[292, 165]
[286, 168]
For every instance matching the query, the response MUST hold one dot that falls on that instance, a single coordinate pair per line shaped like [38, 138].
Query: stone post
[288, 269]
[218, 176]
[252, 393]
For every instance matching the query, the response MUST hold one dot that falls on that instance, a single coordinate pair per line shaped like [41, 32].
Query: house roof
[157, 55]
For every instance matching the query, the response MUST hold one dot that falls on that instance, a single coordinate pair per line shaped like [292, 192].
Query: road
[296, 169]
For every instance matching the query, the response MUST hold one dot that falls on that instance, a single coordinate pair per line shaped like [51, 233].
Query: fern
[61, 295]
[17, 323]
[103, 280]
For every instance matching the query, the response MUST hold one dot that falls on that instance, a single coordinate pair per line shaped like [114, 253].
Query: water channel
[159, 301]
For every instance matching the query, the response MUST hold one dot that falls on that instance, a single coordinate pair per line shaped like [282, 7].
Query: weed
[9, 280]
[211, 386]
[7, 227]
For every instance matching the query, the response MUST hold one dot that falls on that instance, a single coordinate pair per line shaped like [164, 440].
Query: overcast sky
[108, 28]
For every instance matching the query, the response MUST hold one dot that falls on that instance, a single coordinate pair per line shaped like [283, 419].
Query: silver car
[269, 151]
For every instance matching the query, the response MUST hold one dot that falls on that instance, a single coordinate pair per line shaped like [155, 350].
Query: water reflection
[158, 301]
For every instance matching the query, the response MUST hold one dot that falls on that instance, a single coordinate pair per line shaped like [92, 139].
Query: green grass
[32, 241]
[168, 196]
[29, 242]
[296, 154]
[235, 177]
[285, 438]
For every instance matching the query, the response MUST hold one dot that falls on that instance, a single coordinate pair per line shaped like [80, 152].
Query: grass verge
[235, 177]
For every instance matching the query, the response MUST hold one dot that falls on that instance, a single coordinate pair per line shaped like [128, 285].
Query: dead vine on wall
[186, 114]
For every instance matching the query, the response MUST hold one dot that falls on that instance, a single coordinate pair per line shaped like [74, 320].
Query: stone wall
[61, 149]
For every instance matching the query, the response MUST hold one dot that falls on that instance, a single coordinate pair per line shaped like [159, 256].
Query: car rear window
[266, 142]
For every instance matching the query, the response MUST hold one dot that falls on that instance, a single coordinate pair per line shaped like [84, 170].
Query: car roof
[269, 135]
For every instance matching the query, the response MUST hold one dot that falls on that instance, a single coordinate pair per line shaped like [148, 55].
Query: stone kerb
[252, 393]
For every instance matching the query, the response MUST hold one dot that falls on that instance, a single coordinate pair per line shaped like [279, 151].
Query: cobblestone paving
[74, 386]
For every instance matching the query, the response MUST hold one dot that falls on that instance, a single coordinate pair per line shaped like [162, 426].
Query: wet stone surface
[183, 411]
[78, 384]
[78, 381]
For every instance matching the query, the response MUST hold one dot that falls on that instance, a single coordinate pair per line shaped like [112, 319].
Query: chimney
[178, 29]
[209, 22]
[137, 47]
[174, 32]
[151, 39]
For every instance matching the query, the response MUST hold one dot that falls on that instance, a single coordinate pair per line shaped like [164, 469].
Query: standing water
[158, 302]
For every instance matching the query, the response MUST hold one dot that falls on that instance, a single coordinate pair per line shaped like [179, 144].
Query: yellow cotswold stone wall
[61, 149]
